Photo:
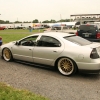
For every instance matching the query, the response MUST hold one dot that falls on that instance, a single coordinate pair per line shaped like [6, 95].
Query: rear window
[77, 40]
[88, 27]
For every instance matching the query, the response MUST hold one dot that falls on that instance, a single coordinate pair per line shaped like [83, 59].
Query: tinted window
[47, 41]
[78, 40]
[88, 27]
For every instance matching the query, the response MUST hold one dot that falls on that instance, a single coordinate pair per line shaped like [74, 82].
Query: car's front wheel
[7, 55]
[66, 66]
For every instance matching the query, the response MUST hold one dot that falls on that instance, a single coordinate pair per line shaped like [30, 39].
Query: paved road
[50, 83]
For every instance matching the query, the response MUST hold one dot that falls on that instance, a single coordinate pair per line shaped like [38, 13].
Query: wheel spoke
[66, 65]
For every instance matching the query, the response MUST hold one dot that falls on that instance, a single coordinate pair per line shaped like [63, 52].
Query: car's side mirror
[17, 43]
[35, 43]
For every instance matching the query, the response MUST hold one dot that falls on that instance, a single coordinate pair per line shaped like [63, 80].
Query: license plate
[86, 34]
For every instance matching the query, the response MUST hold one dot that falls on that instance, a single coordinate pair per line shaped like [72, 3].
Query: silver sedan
[66, 52]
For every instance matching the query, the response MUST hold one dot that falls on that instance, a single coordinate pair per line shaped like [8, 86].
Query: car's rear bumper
[93, 67]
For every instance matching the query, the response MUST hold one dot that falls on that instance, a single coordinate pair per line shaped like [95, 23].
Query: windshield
[77, 40]
[88, 28]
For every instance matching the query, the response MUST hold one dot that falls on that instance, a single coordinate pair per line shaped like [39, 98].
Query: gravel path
[50, 83]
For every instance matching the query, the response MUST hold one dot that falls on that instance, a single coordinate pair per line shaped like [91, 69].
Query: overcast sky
[28, 10]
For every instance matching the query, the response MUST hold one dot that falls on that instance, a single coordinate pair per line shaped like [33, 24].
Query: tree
[52, 21]
[27, 22]
[46, 21]
[17, 22]
[7, 22]
[64, 20]
[35, 21]
[4, 22]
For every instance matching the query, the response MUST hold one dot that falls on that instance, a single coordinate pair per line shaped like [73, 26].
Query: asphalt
[50, 83]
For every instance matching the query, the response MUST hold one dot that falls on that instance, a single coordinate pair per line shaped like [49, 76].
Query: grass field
[10, 93]
[15, 34]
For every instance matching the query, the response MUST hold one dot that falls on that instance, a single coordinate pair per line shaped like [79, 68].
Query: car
[90, 32]
[63, 51]
[60, 27]
[2, 28]
[19, 27]
[0, 40]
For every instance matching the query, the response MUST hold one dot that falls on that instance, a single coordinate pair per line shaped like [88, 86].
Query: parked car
[60, 27]
[66, 52]
[19, 27]
[90, 32]
[2, 28]
[0, 41]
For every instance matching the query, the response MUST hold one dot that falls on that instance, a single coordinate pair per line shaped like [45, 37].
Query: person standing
[30, 28]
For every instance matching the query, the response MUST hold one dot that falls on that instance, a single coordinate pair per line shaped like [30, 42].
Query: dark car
[19, 27]
[0, 41]
[90, 32]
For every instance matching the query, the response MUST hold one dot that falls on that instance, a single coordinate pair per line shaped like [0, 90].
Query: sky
[28, 10]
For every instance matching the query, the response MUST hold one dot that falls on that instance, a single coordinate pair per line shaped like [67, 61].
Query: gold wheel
[7, 54]
[66, 66]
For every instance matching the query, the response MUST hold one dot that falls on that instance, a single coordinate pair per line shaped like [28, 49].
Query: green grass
[20, 30]
[13, 34]
[10, 93]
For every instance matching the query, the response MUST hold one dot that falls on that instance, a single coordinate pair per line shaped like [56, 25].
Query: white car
[66, 52]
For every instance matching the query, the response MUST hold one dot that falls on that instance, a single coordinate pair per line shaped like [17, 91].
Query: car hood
[8, 44]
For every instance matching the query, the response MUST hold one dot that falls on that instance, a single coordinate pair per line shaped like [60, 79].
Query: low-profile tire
[66, 66]
[7, 55]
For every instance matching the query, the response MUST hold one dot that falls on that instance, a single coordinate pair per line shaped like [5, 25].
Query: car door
[24, 49]
[47, 50]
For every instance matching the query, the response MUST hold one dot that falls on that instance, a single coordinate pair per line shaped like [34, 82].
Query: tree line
[36, 21]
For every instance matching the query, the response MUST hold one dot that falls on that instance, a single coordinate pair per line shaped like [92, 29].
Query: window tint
[46, 41]
[88, 27]
[78, 40]
[30, 41]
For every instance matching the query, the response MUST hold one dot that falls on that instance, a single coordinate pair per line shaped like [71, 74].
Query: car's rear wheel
[66, 66]
[7, 55]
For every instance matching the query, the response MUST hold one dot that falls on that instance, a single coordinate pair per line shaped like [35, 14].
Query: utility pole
[61, 22]
[60, 18]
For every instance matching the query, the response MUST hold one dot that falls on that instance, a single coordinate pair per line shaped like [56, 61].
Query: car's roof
[58, 34]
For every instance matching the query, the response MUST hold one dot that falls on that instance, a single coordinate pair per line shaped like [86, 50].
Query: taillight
[76, 33]
[98, 35]
[94, 54]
